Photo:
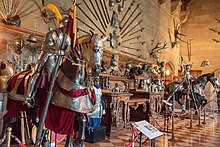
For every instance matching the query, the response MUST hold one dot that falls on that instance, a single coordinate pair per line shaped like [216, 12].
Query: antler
[157, 48]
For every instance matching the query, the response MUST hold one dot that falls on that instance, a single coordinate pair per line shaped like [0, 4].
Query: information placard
[147, 129]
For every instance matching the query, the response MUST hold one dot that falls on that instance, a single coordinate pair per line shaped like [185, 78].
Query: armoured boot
[183, 109]
[79, 141]
[68, 141]
[45, 142]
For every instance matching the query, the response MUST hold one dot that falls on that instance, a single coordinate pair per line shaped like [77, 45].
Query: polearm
[106, 10]
[131, 48]
[106, 17]
[129, 8]
[132, 21]
[132, 28]
[141, 42]
[90, 9]
[96, 15]
[131, 54]
[85, 24]
[130, 16]
[140, 30]
[100, 12]
[136, 37]
[90, 20]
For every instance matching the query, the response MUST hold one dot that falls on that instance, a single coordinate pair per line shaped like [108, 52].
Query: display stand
[148, 130]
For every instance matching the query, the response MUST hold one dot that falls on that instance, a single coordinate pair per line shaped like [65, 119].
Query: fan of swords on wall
[119, 19]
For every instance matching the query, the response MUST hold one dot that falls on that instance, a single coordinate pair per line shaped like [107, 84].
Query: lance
[131, 54]
[96, 15]
[131, 22]
[129, 8]
[85, 24]
[90, 9]
[131, 48]
[130, 16]
[142, 42]
[91, 20]
[140, 30]
[100, 13]
[137, 37]
[106, 17]
[132, 28]
[106, 10]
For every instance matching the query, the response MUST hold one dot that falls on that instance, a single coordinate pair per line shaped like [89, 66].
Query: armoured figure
[50, 49]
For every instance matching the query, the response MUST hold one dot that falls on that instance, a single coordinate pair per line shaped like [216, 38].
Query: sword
[132, 28]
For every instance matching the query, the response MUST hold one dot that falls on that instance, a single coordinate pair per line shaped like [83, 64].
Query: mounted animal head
[90, 49]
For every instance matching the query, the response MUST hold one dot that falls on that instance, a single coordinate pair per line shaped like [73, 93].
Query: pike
[140, 30]
[96, 15]
[129, 8]
[133, 20]
[137, 37]
[130, 16]
[90, 9]
[132, 28]
[106, 17]
[141, 42]
[127, 47]
[91, 20]
[101, 13]
[131, 54]
[85, 24]
[106, 10]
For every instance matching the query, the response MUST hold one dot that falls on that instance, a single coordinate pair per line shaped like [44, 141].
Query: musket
[106, 17]
[129, 8]
[90, 9]
[142, 42]
[130, 16]
[132, 29]
[140, 30]
[137, 37]
[127, 47]
[131, 54]
[85, 24]
[133, 20]
[107, 10]
[91, 20]
[97, 15]
[100, 13]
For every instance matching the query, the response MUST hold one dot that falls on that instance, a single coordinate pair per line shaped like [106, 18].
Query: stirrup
[167, 103]
[29, 102]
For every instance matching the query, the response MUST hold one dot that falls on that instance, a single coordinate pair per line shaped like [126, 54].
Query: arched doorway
[169, 72]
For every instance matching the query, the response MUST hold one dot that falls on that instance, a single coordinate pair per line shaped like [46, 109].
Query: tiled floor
[206, 135]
